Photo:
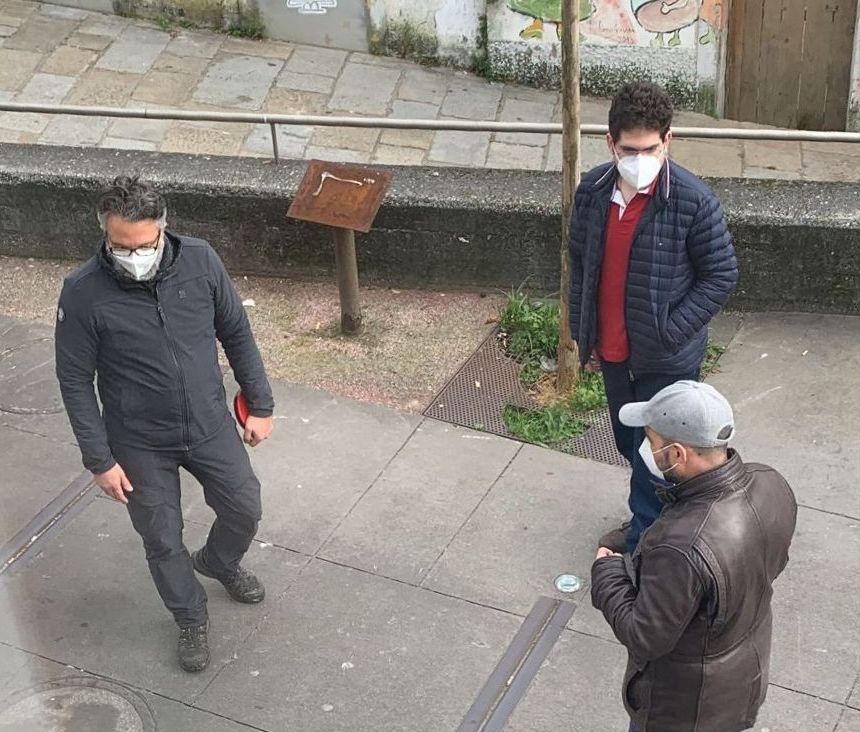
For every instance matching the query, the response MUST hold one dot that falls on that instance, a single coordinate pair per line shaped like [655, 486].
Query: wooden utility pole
[568, 353]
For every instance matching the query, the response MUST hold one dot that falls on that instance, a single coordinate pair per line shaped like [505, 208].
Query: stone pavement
[401, 555]
[53, 54]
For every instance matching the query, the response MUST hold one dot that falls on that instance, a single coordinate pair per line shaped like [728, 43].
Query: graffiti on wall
[665, 17]
[607, 19]
[311, 7]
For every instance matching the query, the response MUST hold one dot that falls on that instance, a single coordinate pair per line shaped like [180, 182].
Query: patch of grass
[162, 20]
[248, 23]
[550, 426]
[589, 394]
[712, 355]
[529, 332]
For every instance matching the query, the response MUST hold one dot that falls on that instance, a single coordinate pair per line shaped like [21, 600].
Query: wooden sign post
[345, 198]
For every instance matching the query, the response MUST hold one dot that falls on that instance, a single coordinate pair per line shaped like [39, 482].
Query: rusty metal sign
[344, 196]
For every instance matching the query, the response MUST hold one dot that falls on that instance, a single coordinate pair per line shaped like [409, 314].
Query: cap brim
[634, 414]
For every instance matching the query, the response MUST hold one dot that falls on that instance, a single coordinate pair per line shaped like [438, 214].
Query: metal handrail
[553, 128]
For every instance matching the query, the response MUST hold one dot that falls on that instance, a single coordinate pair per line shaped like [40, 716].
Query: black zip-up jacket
[153, 346]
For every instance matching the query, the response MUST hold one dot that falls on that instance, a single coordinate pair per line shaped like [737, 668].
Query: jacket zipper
[172, 345]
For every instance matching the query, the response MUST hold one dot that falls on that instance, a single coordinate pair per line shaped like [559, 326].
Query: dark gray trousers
[230, 488]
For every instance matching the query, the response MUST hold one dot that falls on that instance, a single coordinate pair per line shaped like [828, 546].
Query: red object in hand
[240, 408]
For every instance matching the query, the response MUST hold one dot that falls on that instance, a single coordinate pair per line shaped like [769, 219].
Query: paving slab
[424, 85]
[392, 155]
[468, 99]
[40, 34]
[362, 139]
[345, 650]
[70, 130]
[16, 67]
[46, 88]
[419, 503]
[335, 155]
[778, 377]
[719, 158]
[460, 148]
[317, 61]
[7, 30]
[788, 710]
[265, 49]
[520, 110]
[421, 139]
[238, 81]
[164, 88]
[310, 480]
[23, 493]
[577, 688]
[104, 25]
[134, 51]
[816, 635]
[99, 87]
[850, 721]
[88, 41]
[59, 11]
[69, 61]
[305, 82]
[592, 150]
[191, 65]
[259, 142]
[204, 139]
[541, 519]
[773, 155]
[122, 143]
[364, 89]
[151, 130]
[27, 670]
[196, 45]
[87, 600]
[15, 12]
[521, 157]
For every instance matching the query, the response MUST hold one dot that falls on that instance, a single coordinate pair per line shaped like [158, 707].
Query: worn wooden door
[789, 62]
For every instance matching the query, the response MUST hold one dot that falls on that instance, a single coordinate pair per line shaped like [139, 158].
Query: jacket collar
[715, 481]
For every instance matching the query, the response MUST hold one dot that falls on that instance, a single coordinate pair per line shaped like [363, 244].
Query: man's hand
[114, 483]
[604, 552]
[257, 429]
[592, 366]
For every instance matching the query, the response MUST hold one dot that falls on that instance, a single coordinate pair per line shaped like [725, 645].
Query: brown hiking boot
[616, 539]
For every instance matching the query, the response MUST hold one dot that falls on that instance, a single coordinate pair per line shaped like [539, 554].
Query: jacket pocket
[663, 329]
[637, 691]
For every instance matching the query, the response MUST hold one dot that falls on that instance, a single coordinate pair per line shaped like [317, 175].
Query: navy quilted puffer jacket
[682, 269]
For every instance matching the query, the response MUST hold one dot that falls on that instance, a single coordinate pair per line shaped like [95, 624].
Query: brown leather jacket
[692, 604]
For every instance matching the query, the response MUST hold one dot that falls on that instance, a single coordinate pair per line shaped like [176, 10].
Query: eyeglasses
[653, 150]
[145, 251]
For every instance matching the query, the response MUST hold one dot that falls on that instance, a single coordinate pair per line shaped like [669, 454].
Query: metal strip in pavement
[47, 522]
[518, 666]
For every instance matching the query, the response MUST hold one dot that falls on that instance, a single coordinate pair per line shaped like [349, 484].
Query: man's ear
[668, 139]
[610, 144]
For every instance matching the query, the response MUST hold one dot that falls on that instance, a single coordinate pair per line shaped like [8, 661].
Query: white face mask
[647, 456]
[139, 266]
[639, 170]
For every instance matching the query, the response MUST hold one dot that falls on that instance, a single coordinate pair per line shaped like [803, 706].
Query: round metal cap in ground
[77, 704]
[568, 583]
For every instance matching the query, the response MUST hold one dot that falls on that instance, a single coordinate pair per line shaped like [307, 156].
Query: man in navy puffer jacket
[651, 263]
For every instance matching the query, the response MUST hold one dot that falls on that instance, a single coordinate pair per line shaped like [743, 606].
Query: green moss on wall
[406, 40]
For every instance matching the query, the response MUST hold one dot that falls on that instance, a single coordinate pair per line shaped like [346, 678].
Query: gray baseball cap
[687, 411]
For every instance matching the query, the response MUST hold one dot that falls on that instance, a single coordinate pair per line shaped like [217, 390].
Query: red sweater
[612, 343]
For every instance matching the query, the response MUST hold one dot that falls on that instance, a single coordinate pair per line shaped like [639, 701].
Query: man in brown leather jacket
[692, 603]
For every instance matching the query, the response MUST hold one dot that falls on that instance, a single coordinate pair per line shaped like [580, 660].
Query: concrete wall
[854, 94]
[797, 242]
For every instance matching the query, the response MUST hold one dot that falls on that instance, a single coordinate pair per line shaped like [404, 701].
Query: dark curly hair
[131, 199]
[640, 105]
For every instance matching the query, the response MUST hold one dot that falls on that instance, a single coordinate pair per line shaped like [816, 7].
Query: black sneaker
[242, 586]
[194, 647]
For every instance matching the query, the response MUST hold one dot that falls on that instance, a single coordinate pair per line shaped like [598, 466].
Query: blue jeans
[632, 728]
[622, 387]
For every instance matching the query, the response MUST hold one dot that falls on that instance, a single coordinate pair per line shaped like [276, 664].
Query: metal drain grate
[489, 380]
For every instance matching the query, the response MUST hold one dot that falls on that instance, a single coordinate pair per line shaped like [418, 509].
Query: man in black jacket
[651, 263]
[692, 603]
[143, 314]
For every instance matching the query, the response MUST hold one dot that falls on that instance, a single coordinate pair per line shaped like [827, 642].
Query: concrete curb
[798, 242]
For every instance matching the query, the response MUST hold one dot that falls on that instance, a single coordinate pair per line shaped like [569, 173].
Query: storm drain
[77, 704]
[478, 392]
